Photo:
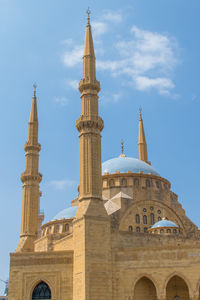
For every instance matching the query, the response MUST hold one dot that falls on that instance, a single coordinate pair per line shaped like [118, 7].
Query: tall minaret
[142, 145]
[31, 179]
[91, 228]
[90, 126]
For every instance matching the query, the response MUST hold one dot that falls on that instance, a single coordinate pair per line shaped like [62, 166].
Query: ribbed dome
[123, 164]
[164, 223]
[66, 213]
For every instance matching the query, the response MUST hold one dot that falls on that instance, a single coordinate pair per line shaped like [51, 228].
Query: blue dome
[164, 223]
[123, 164]
[66, 213]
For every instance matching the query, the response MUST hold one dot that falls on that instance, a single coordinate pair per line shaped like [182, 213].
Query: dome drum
[165, 227]
[136, 180]
[55, 227]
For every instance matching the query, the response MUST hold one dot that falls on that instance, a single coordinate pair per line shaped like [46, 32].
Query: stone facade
[106, 250]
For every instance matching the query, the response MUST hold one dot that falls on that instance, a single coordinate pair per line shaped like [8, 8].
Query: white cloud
[62, 184]
[116, 97]
[146, 58]
[62, 101]
[99, 28]
[72, 84]
[163, 85]
[73, 57]
[112, 17]
[107, 98]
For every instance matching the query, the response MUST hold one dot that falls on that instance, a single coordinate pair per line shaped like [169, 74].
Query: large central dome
[123, 164]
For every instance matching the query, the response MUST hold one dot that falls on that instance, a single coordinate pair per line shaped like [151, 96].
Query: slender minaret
[90, 126]
[142, 145]
[31, 179]
[92, 278]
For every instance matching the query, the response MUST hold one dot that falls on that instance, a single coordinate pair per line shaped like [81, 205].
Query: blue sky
[147, 54]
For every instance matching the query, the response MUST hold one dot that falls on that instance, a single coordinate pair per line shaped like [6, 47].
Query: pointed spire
[33, 114]
[89, 69]
[142, 145]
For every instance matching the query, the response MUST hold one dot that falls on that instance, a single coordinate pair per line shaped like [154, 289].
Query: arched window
[168, 230]
[144, 219]
[158, 184]
[66, 227]
[57, 228]
[136, 182]
[137, 219]
[124, 181]
[152, 218]
[112, 183]
[137, 229]
[148, 183]
[130, 228]
[159, 219]
[145, 229]
[41, 291]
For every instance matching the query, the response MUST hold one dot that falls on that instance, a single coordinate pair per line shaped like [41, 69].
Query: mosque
[125, 237]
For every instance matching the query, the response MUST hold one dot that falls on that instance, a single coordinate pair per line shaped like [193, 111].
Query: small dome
[164, 223]
[123, 164]
[66, 213]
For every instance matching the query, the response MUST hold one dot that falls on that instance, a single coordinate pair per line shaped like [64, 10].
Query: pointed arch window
[41, 291]
[137, 219]
[144, 219]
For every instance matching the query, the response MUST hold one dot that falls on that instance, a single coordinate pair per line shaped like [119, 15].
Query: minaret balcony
[31, 147]
[89, 124]
[87, 84]
[25, 177]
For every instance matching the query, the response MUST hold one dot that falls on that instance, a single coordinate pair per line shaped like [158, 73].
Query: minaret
[31, 179]
[90, 126]
[142, 145]
[92, 278]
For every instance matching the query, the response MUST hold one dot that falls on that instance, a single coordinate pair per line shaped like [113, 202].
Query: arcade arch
[177, 289]
[144, 289]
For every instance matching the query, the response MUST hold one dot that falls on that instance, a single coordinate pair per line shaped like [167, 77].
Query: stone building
[124, 237]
